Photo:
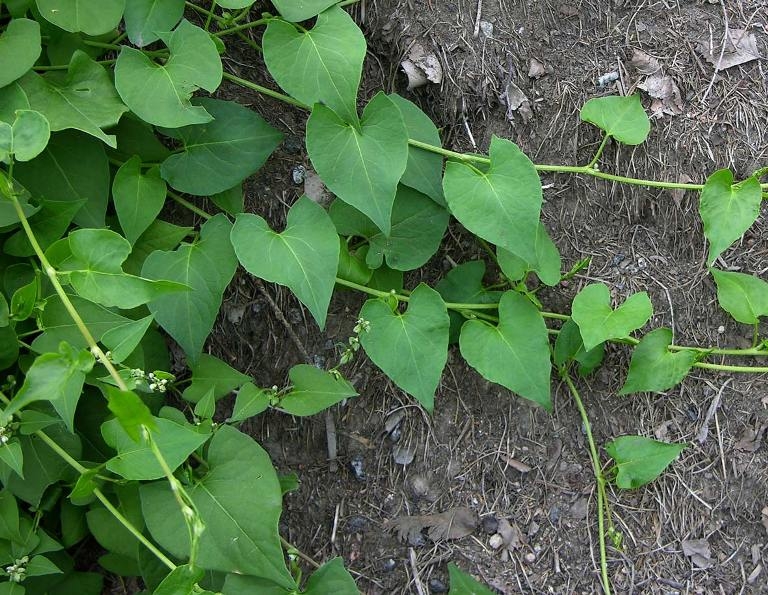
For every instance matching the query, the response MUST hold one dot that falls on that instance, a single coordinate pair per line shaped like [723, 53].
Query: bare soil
[484, 448]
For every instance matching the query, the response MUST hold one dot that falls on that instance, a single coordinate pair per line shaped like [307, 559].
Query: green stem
[205, 12]
[599, 478]
[265, 91]
[599, 151]
[188, 508]
[133, 530]
[54, 446]
[104, 46]
[66, 66]
[242, 27]
[188, 205]
[50, 272]
[210, 15]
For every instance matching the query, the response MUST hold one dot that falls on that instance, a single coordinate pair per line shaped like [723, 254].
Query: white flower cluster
[17, 572]
[5, 435]
[157, 385]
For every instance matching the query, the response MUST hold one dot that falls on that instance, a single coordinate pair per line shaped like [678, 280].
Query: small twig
[287, 325]
[415, 570]
[720, 59]
[477, 18]
[701, 437]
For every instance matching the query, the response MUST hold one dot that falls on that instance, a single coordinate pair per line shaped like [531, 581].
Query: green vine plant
[100, 125]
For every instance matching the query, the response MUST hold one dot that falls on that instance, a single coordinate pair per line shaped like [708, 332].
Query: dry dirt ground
[484, 448]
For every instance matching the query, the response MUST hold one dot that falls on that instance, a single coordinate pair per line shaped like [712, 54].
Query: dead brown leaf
[679, 193]
[698, 551]
[451, 524]
[764, 512]
[536, 69]
[422, 66]
[645, 64]
[665, 92]
[516, 101]
[740, 48]
[751, 439]
[516, 465]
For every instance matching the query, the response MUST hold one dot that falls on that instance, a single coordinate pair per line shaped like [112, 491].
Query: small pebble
[293, 144]
[389, 565]
[490, 524]
[416, 540]
[356, 524]
[297, 174]
[437, 586]
[496, 541]
[530, 557]
[356, 464]
[721, 329]
[554, 514]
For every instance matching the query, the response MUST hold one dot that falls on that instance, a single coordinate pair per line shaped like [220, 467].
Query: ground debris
[740, 48]
[508, 538]
[751, 439]
[451, 524]
[421, 67]
[661, 87]
[516, 101]
[764, 512]
[698, 551]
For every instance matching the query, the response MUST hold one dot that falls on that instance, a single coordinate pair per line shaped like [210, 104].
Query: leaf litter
[452, 524]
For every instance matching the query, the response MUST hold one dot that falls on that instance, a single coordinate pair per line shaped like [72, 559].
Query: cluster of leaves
[94, 145]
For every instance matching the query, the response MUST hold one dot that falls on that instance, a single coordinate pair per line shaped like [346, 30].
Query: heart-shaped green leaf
[49, 224]
[745, 297]
[418, 225]
[212, 374]
[58, 325]
[361, 166]
[304, 257]
[464, 284]
[501, 205]
[26, 138]
[640, 460]
[207, 267]
[93, 261]
[728, 209]
[410, 348]
[331, 577]
[55, 377]
[160, 235]
[92, 17]
[159, 94]
[570, 346]
[463, 584]
[319, 65]
[250, 401]
[138, 197]
[123, 340]
[144, 18]
[83, 98]
[314, 390]
[236, 539]
[222, 153]
[598, 322]
[301, 10]
[424, 171]
[654, 367]
[20, 47]
[137, 461]
[73, 167]
[546, 263]
[514, 354]
[623, 118]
